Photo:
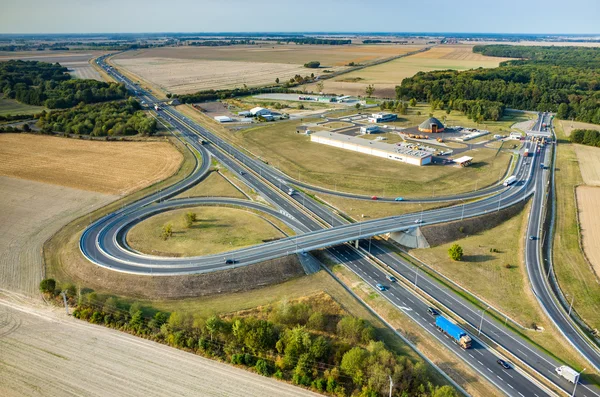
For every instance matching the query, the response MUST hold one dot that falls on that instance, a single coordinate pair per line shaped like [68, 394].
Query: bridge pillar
[356, 244]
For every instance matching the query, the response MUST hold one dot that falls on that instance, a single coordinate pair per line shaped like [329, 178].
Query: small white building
[245, 113]
[369, 129]
[382, 117]
[258, 111]
[223, 119]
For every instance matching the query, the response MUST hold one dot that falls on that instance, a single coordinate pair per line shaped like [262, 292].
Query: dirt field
[218, 229]
[76, 61]
[589, 164]
[54, 355]
[588, 199]
[30, 213]
[568, 126]
[189, 69]
[387, 76]
[115, 168]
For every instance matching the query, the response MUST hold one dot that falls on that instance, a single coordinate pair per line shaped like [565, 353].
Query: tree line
[50, 85]
[102, 119]
[586, 137]
[557, 79]
[292, 341]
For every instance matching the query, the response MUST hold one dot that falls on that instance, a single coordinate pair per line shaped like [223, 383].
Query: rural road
[47, 353]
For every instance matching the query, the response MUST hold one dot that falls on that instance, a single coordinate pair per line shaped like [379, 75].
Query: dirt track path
[45, 353]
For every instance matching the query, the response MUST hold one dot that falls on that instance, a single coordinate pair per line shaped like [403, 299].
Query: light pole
[391, 385]
[571, 305]
[370, 237]
[481, 322]
[416, 277]
[575, 387]
[463, 209]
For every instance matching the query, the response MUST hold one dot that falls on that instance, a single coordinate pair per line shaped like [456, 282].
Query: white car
[419, 221]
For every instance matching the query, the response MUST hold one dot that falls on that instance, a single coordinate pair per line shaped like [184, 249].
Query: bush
[312, 64]
[455, 252]
[262, 368]
[47, 286]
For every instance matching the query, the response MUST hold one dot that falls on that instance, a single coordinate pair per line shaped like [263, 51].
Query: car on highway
[433, 311]
[419, 221]
[242, 173]
[374, 198]
[391, 278]
[381, 287]
[532, 237]
[504, 364]
[230, 261]
[399, 199]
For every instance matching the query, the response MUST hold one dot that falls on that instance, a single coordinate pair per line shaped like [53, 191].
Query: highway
[102, 243]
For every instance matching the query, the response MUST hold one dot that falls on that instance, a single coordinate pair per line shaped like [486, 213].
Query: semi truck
[526, 153]
[568, 373]
[454, 331]
[510, 180]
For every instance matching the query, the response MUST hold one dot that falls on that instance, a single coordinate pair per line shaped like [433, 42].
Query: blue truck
[454, 331]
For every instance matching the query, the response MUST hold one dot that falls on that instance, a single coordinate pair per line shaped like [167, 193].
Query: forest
[304, 342]
[102, 119]
[50, 85]
[558, 79]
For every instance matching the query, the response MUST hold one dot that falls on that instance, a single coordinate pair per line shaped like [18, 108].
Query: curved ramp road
[301, 210]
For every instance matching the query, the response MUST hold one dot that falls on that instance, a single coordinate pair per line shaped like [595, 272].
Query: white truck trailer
[510, 180]
[568, 373]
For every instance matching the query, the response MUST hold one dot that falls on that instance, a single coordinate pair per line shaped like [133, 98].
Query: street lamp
[481, 322]
[575, 387]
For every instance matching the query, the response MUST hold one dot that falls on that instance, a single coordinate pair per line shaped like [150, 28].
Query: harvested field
[569, 126]
[116, 168]
[76, 61]
[329, 56]
[589, 164]
[385, 77]
[588, 199]
[67, 351]
[217, 229]
[35, 211]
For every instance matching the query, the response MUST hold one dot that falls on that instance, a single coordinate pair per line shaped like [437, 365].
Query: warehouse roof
[432, 120]
[386, 147]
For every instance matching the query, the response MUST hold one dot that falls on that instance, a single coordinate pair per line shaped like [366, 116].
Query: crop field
[217, 229]
[189, 69]
[587, 202]
[569, 126]
[589, 164]
[76, 61]
[115, 168]
[51, 354]
[30, 213]
[385, 77]
[12, 107]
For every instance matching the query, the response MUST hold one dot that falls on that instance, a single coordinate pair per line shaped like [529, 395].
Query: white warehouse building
[382, 117]
[373, 148]
[258, 111]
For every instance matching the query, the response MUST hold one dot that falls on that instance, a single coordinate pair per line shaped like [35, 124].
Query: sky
[468, 16]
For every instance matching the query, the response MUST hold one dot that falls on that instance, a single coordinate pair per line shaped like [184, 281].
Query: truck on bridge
[454, 331]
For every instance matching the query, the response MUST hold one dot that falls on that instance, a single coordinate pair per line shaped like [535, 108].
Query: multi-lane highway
[103, 243]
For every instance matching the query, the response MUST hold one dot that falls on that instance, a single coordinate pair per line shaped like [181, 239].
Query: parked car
[391, 278]
[381, 287]
[503, 363]
[433, 311]
[399, 199]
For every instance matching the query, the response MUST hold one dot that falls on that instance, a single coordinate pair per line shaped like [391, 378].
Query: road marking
[391, 293]
[479, 362]
[521, 394]
[508, 374]
[479, 352]
[489, 369]
[500, 378]
[509, 385]
[472, 356]
[520, 351]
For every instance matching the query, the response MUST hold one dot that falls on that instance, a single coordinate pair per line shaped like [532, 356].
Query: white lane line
[489, 369]
[479, 362]
[477, 351]
[472, 356]
[509, 385]
[521, 394]
[508, 374]
[520, 351]
[499, 378]
[391, 293]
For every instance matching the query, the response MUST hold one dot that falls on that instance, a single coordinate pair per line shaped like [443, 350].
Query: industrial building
[374, 148]
[369, 129]
[382, 117]
[223, 119]
[431, 125]
[258, 111]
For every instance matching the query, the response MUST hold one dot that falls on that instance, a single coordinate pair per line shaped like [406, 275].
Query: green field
[218, 229]
[12, 107]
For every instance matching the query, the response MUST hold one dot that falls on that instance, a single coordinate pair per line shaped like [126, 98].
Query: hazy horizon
[351, 16]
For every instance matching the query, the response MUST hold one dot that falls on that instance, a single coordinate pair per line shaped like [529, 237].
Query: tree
[214, 324]
[320, 86]
[169, 95]
[312, 64]
[455, 252]
[412, 102]
[277, 80]
[190, 218]
[167, 231]
[353, 362]
[262, 367]
[26, 128]
[370, 90]
[563, 111]
[357, 106]
[47, 286]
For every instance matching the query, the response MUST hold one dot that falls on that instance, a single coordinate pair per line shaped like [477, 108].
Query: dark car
[532, 237]
[433, 311]
[391, 278]
[381, 287]
[503, 363]
[230, 261]
[242, 173]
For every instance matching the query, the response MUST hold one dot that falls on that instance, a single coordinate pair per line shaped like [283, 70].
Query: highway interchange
[318, 226]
